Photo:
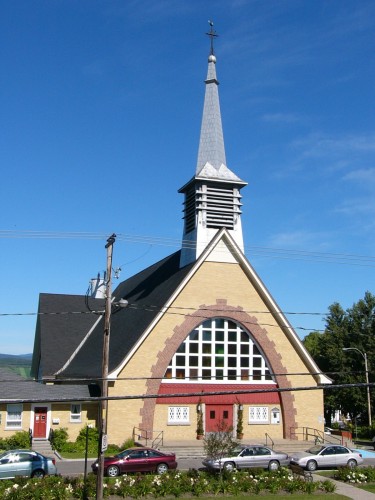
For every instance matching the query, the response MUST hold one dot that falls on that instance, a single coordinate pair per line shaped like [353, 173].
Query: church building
[202, 343]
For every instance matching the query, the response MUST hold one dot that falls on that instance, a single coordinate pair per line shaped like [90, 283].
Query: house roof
[72, 348]
[12, 383]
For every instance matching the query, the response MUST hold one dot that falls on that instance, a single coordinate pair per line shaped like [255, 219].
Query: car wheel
[39, 473]
[311, 465]
[352, 464]
[162, 468]
[113, 471]
[229, 466]
[273, 465]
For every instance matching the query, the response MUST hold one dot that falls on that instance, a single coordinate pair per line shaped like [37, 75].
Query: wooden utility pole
[103, 413]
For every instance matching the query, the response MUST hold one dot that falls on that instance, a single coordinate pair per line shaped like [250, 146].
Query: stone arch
[191, 321]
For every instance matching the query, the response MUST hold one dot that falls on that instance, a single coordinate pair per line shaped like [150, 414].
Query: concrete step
[42, 446]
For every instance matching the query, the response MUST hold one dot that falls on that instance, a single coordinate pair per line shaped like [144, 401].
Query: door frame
[32, 418]
[211, 406]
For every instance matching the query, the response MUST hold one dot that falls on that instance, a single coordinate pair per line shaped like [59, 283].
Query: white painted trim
[49, 416]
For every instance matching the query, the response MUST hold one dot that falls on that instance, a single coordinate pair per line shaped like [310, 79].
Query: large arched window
[218, 350]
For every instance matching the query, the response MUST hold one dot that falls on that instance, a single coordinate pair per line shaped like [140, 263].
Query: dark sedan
[137, 460]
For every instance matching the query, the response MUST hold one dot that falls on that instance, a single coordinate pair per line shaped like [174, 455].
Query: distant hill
[19, 363]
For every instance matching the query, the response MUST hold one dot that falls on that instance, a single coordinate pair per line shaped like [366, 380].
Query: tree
[353, 328]
[220, 444]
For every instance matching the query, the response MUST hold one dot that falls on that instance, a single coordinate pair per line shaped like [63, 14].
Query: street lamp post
[364, 355]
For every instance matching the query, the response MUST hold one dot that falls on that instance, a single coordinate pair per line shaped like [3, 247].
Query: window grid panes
[178, 414]
[14, 416]
[218, 350]
[258, 414]
[75, 412]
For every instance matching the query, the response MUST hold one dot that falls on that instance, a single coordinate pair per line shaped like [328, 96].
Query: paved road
[77, 467]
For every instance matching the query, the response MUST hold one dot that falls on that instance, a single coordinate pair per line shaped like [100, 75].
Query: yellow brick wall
[212, 282]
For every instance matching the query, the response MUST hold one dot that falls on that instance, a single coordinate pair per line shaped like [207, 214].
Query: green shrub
[59, 438]
[20, 439]
[128, 443]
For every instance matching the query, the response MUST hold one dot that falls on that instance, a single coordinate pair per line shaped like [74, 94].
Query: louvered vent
[221, 206]
[189, 210]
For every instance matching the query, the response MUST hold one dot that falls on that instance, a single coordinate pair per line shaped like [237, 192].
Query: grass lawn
[367, 487]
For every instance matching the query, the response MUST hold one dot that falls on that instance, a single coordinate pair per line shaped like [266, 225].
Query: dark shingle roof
[146, 292]
[13, 386]
[63, 321]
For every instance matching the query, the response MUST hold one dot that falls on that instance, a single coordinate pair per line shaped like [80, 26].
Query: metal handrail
[269, 437]
[146, 436]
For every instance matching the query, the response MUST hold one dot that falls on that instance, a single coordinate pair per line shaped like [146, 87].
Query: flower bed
[176, 484]
[355, 476]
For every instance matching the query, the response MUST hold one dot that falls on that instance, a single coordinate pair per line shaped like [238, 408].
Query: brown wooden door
[40, 422]
[218, 416]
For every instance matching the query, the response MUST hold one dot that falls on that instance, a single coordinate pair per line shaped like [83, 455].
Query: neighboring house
[43, 414]
[201, 331]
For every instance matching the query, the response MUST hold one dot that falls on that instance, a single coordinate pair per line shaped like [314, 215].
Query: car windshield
[315, 450]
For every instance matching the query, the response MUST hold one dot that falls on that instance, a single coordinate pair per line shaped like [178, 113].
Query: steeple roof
[212, 161]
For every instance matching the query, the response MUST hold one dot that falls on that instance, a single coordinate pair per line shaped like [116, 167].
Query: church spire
[212, 197]
[211, 144]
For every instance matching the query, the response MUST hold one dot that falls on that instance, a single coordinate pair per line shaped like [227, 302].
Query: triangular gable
[224, 249]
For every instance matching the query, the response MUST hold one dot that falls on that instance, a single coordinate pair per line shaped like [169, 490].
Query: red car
[137, 460]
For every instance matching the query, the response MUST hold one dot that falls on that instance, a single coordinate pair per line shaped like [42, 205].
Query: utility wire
[182, 313]
[47, 380]
[337, 258]
[183, 395]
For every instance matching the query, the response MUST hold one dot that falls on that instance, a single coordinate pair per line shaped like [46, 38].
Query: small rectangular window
[75, 412]
[14, 416]
[258, 415]
[178, 415]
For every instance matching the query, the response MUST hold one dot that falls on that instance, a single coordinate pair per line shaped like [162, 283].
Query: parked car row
[259, 456]
[142, 459]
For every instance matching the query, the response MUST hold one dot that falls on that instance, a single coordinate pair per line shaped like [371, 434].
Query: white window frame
[178, 415]
[14, 416]
[275, 416]
[259, 415]
[76, 416]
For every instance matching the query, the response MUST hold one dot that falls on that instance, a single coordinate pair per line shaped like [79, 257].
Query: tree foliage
[352, 328]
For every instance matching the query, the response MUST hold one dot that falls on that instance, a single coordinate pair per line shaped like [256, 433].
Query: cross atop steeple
[212, 34]
[212, 196]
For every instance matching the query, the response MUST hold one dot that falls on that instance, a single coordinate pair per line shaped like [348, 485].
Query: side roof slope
[146, 292]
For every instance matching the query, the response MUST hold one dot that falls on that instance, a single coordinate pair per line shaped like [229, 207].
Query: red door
[40, 422]
[218, 417]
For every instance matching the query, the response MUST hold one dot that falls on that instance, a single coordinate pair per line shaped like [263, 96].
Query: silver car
[25, 463]
[327, 456]
[249, 457]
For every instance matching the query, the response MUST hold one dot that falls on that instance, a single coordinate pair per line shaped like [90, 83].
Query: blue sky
[101, 103]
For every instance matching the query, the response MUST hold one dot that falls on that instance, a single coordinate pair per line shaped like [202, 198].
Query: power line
[89, 380]
[182, 311]
[336, 258]
[183, 395]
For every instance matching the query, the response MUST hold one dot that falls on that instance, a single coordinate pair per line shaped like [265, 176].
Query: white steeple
[212, 197]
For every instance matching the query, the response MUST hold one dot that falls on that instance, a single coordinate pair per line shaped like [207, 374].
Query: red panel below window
[231, 398]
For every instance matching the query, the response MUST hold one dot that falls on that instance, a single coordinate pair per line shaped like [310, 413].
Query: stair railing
[268, 437]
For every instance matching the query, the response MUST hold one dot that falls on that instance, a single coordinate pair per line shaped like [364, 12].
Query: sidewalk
[348, 490]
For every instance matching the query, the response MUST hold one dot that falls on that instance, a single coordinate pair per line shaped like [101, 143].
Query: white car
[327, 456]
[249, 457]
